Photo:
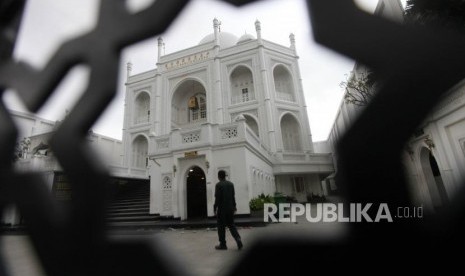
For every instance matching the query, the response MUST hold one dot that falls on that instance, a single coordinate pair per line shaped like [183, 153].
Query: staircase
[130, 207]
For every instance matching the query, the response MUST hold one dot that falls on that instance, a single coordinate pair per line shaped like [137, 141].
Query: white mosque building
[228, 103]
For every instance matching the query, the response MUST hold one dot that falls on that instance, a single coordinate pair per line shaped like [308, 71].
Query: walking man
[225, 207]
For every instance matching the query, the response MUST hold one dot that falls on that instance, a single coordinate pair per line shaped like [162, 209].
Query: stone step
[128, 214]
[129, 205]
[124, 195]
[174, 224]
[125, 209]
[147, 218]
[138, 199]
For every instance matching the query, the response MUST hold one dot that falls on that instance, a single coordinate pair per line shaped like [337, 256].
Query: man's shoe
[221, 247]
[239, 244]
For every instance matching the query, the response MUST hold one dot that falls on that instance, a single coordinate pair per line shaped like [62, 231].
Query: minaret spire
[161, 46]
[216, 30]
[258, 29]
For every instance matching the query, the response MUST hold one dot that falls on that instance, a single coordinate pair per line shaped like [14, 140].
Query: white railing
[285, 96]
[209, 135]
[122, 171]
[294, 156]
[142, 119]
[245, 97]
[316, 158]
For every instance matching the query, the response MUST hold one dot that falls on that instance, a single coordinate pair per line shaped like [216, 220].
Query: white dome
[226, 39]
[245, 38]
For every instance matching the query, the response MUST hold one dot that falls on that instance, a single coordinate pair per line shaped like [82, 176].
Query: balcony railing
[245, 97]
[208, 135]
[142, 119]
[284, 96]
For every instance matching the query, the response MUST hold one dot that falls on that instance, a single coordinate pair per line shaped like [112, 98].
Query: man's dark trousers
[226, 220]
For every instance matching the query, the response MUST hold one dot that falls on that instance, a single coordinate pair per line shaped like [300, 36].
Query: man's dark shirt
[224, 197]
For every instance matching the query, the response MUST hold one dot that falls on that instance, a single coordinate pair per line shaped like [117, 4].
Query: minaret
[258, 28]
[216, 31]
[292, 39]
[161, 45]
[216, 96]
[128, 69]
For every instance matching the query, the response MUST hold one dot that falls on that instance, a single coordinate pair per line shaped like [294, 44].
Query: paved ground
[193, 248]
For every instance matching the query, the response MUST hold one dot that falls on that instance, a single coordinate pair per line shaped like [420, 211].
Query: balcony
[283, 96]
[245, 97]
[303, 162]
[208, 135]
[141, 119]
[237, 133]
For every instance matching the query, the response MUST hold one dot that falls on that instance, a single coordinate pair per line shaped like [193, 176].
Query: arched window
[142, 109]
[433, 178]
[139, 152]
[199, 112]
[252, 124]
[242, 89]
[283, 84]
[290, 131]
[189, 104]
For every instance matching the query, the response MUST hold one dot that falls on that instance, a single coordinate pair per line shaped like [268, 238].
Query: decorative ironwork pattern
[191, 137]
[72, 242]
[228, 133]
[166, 183]
[167, 194]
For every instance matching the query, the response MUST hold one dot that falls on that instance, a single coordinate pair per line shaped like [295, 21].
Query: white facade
[435, 155]
[227, 103]
[39, 157]
[434, 158]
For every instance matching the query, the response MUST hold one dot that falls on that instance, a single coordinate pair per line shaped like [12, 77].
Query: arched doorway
[196, 186]
[433, 178]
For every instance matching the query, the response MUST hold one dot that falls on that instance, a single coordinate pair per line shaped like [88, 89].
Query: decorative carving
[429, 143]
[253, 112]
[228, 133]
[191, 137]
[166, 184]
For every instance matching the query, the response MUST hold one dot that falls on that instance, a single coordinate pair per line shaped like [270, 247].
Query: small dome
[226, 39]
[245, 38]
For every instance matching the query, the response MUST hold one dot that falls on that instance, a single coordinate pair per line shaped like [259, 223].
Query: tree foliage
[359, 88]
[449, 14]
[446, 14]
[22, 147]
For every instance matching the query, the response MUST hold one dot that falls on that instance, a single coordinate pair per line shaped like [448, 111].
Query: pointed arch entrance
[433, 178]
[196, 186]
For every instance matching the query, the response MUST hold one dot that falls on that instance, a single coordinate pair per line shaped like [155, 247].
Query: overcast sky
[49, 22]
